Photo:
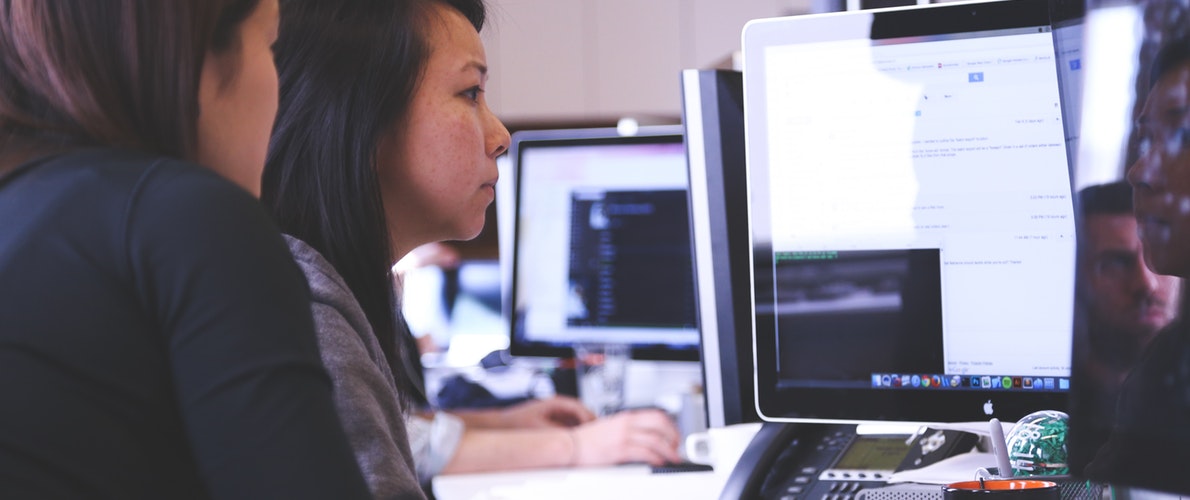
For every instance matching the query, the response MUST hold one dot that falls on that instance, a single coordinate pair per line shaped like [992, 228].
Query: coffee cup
[720, 447]
[1001, 489]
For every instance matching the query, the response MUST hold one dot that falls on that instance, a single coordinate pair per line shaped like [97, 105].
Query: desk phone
[831, 461]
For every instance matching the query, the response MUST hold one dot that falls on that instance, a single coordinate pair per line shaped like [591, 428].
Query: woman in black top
[1148, 442]
[155, 336]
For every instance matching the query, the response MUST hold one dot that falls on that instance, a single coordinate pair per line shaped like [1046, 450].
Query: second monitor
[911, 213]
[601, 248]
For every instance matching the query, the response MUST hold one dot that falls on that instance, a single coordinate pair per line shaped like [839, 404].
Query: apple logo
[987, 407]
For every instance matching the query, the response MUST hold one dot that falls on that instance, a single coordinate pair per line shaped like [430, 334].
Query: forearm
[483, 419]
[557, 411]
[482, 450]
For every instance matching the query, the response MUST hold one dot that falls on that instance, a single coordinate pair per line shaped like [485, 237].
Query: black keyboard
[673, 467]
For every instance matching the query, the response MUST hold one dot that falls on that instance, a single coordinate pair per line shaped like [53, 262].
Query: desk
[629, 482]
[624, 482]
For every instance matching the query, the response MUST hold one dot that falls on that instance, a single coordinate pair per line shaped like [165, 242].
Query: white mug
[720, 447]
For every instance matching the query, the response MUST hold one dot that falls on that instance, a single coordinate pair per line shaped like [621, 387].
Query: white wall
[577, 60]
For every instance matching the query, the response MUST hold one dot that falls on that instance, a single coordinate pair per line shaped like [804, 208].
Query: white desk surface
[624, 482]
[630, 482]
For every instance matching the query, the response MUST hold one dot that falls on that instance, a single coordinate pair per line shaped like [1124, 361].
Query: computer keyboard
[673, 467]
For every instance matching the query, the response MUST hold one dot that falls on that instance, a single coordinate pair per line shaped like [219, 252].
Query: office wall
[573, 61]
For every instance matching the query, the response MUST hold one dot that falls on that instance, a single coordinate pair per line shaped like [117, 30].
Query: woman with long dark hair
[384, 142]
[155, 334]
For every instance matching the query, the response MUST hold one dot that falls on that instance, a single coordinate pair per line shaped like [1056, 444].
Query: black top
[156, 340]
[1149, 446]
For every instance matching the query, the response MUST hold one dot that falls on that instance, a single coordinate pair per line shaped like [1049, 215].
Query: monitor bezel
[527, 139]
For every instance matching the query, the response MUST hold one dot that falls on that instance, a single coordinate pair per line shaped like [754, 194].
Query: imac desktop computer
[912, 231]
[911, 214]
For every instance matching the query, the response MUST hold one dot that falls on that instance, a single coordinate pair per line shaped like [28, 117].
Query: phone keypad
[807, 473]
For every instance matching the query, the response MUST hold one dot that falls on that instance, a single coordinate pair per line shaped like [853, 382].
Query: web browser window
[942, 150]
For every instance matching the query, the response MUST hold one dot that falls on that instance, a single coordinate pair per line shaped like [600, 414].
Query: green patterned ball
[1037, 444]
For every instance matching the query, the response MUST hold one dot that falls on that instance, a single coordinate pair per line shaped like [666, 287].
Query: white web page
[953, 144]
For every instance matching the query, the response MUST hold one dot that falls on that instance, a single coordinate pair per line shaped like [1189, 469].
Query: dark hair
[1114, 198]
[109, 73]
[348, 71]
[1171, 55]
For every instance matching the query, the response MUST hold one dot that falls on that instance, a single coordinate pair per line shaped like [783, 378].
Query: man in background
[1124, 306]
[1127, 304]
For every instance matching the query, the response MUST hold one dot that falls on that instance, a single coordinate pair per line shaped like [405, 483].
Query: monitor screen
[713, 118]
[601, 243]
[1130, 405]
[913, 234]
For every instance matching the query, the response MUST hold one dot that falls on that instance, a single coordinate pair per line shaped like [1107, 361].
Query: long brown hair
[122, 73]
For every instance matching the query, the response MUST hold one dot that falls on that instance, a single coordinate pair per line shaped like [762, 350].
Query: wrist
[575, 451]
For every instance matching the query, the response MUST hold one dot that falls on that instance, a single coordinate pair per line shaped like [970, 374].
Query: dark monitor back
[1130, 412]
[713, 117]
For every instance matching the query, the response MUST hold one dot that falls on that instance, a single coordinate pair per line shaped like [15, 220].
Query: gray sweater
[364, 391]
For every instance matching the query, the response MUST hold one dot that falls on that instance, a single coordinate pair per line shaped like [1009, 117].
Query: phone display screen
[874, 453]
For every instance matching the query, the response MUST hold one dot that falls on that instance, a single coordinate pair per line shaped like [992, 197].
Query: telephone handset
[803, 461]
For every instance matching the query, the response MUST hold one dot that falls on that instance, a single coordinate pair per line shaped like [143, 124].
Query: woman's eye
[473, 93]
[1182, 139]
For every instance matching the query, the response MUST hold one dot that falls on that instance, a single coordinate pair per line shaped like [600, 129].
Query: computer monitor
[913, 236]
[601, 243]
[1130, 405]
[713, 118]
